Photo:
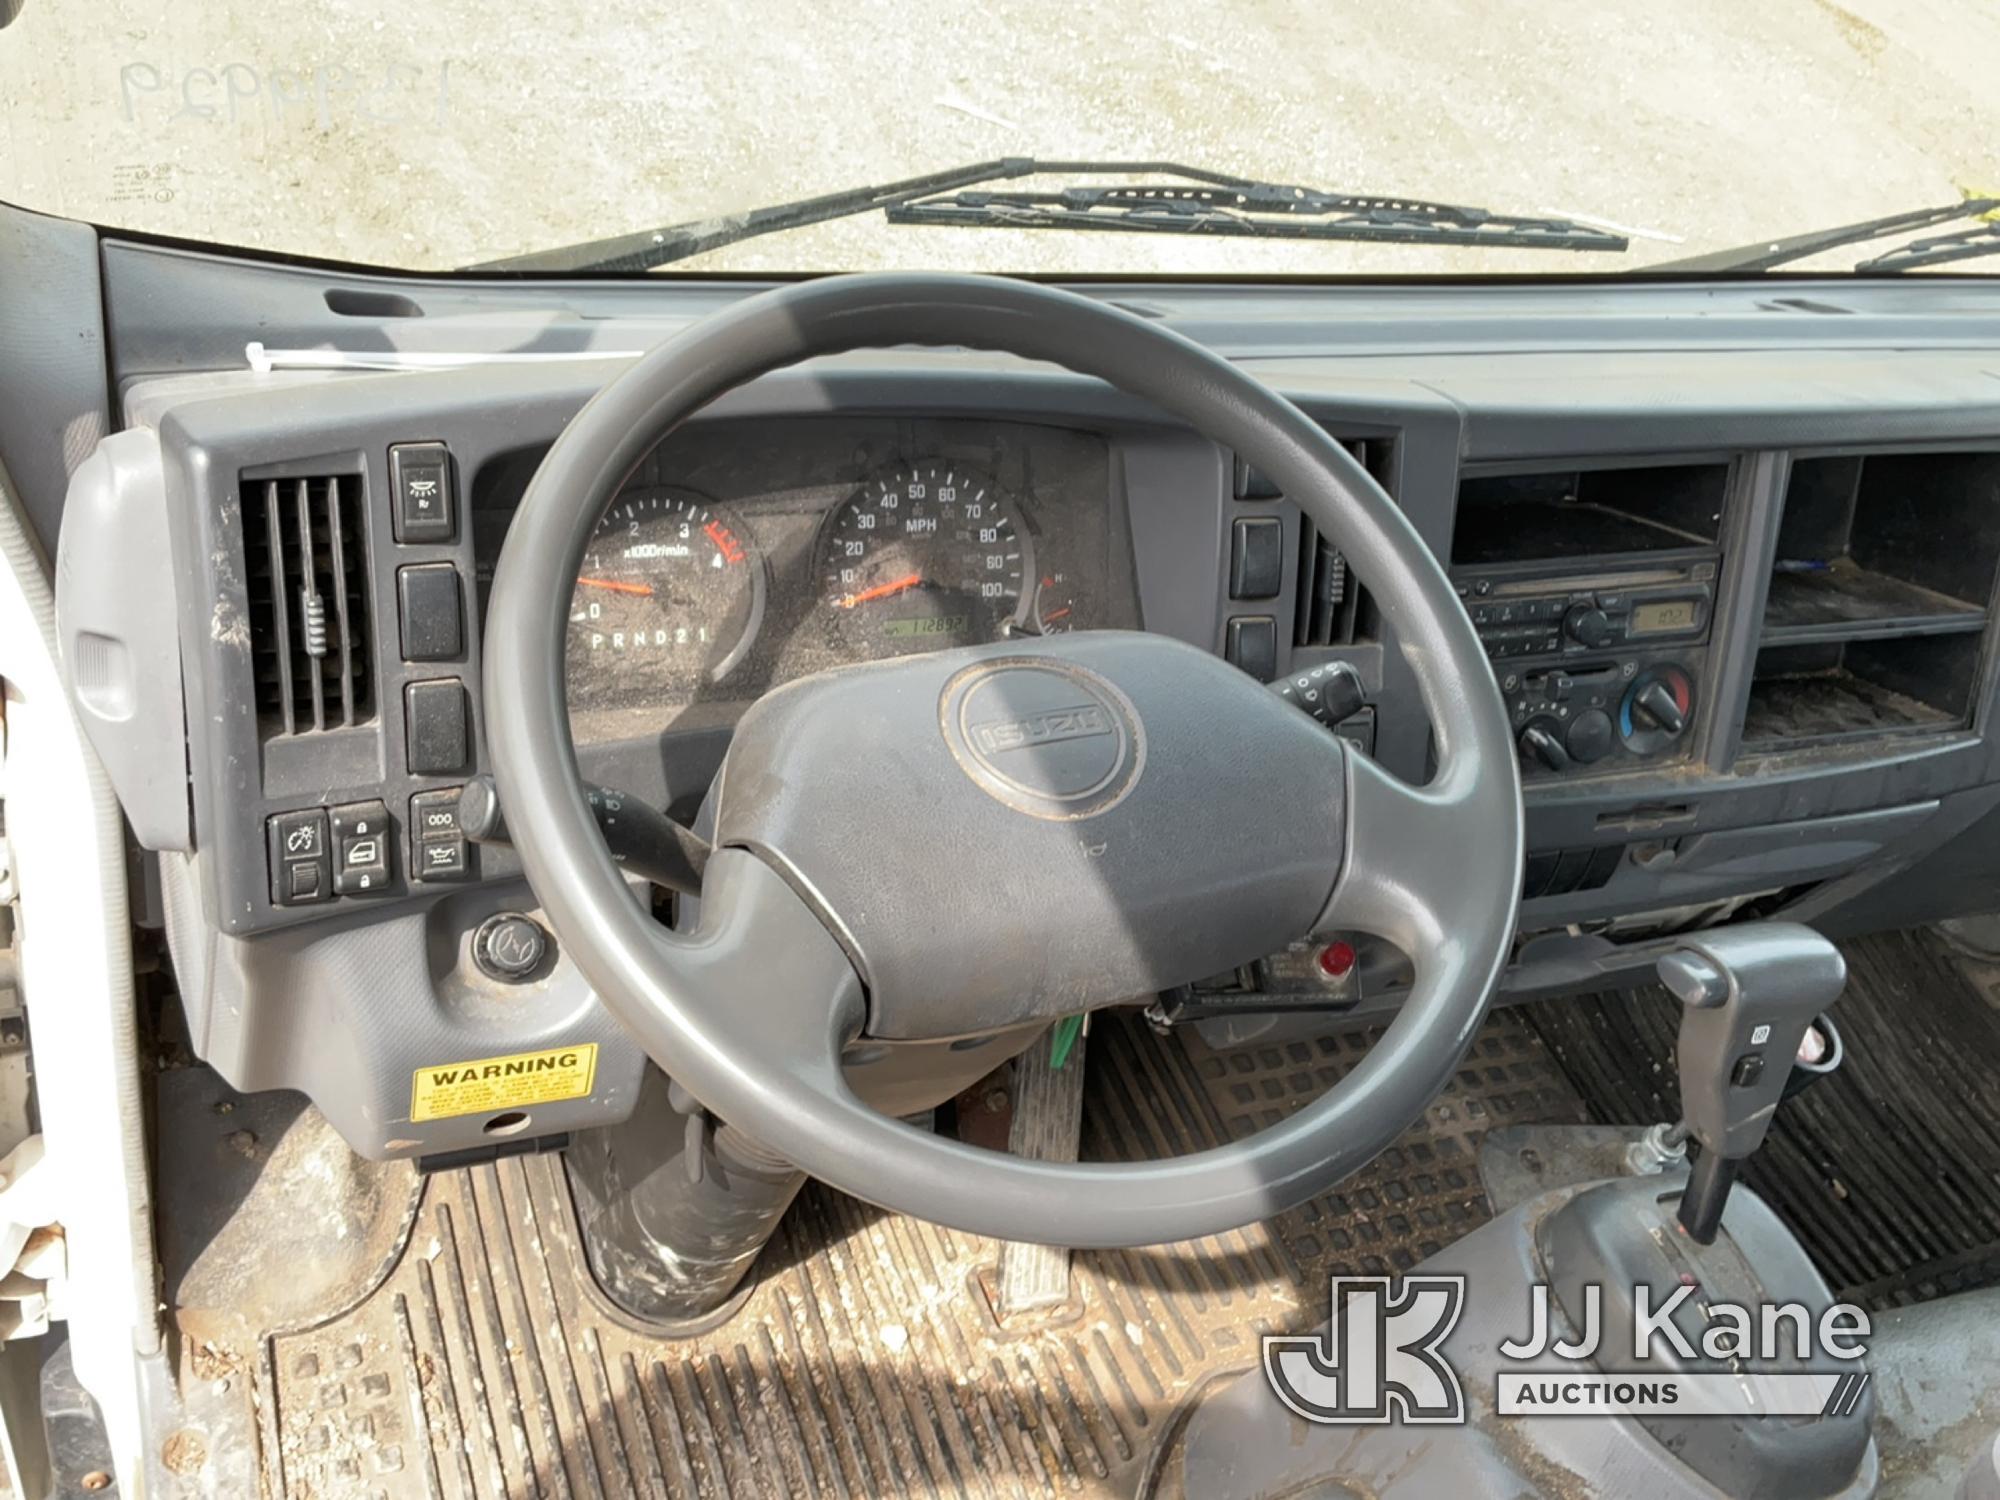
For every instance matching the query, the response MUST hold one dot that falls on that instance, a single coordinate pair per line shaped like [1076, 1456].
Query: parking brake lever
[1748, 994]
[642, 838]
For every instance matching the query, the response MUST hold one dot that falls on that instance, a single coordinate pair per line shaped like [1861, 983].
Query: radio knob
[1587, 625]
[1590, 736]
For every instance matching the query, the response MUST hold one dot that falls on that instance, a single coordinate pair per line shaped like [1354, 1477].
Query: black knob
[1590, 736]
[1587, 625]
[1540, 739]
[1656, 701]
[509, 947]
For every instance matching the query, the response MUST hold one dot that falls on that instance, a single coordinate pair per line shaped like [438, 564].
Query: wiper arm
[1768, 254]
[1967, 244]
[658, 247]
[1222, 204]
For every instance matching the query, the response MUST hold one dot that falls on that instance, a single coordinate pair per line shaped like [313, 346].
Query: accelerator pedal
[1048, 1119]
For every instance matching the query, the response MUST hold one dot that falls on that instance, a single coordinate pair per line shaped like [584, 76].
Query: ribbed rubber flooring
[1888, 1171]
[867, 1362]
[1424, 1191]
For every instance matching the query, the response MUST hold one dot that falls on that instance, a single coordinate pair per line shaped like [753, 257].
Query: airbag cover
[1031, 829]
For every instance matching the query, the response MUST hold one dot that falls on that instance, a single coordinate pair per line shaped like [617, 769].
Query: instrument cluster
[740, 556]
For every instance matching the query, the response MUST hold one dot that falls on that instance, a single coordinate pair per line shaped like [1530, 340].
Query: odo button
[437, 844]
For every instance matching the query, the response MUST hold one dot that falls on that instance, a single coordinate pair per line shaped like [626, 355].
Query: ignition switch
[509, 947]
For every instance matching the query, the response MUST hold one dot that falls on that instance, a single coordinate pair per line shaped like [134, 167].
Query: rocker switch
[360, 847]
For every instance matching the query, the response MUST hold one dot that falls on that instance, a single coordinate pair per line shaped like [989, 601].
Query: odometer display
[916, 625]
[922, 558]
[668, 599]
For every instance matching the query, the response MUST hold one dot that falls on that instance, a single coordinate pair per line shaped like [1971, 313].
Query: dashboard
[1733, 559]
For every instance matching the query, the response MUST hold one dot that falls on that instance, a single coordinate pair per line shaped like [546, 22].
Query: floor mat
[867, 1361]
[1888, 1171]
[1424, 1191]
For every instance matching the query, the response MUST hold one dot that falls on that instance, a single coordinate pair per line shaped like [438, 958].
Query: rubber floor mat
[1889, 1170]
[867, 1361]
[1424, 1191]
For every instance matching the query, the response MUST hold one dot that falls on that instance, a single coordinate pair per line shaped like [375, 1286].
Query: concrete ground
[439, 132]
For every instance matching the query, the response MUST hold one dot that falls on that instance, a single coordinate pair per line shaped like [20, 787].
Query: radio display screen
[1663, 614]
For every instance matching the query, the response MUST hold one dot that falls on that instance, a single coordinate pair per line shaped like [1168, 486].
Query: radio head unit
[1560, 612]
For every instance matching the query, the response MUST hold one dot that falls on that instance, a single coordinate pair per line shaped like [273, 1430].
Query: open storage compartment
[1881, 588]
[1885, 545]
[1552, 515]
[1834, 690]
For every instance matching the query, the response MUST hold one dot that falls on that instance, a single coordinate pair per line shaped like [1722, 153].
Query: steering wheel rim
[751, 1010]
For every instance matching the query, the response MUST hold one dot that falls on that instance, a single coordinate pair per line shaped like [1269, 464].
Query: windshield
[1623, 134]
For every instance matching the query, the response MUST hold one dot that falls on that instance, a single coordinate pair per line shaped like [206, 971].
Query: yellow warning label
[501, 1083]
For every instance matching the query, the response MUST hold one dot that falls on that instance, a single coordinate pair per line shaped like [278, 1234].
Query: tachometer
[924, 557]
[669, 597]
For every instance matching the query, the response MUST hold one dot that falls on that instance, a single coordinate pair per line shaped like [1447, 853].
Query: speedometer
[669, 598]
[924, 557]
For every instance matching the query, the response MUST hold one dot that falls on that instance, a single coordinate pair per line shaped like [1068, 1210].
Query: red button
[1336, 960]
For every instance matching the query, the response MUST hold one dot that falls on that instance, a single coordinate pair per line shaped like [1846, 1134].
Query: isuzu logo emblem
[1078, 721]
[1048, 738]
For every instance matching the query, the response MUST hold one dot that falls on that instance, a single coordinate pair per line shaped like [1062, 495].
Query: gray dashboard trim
[119, 632]
[177, 309]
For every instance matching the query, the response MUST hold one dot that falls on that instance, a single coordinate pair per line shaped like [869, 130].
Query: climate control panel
[1599, 714]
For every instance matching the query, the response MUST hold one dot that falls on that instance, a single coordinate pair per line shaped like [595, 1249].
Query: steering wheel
[952, 844]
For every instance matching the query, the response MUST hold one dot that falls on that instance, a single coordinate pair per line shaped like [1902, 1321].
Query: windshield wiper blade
[1938, 250]
[1237, 206]
[1768, 254]
[1222, 204]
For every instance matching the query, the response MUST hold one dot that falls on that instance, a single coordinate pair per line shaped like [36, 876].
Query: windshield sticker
[324, 96]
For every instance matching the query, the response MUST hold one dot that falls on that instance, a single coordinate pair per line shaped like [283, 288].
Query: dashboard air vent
[1329, 601]
[304, 553]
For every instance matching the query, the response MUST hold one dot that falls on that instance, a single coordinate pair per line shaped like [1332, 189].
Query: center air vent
[1329, 602]
[304, 553]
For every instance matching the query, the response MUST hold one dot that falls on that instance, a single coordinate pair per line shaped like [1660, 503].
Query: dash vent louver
[1329, 600]
[304, 554]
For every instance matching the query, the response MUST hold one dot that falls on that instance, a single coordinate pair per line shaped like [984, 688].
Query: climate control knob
[1587, 625]
[1656, 709]
[1656, 705]
[1542, 742]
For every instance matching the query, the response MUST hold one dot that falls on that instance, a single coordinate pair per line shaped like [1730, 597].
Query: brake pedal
[1048, 1122]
